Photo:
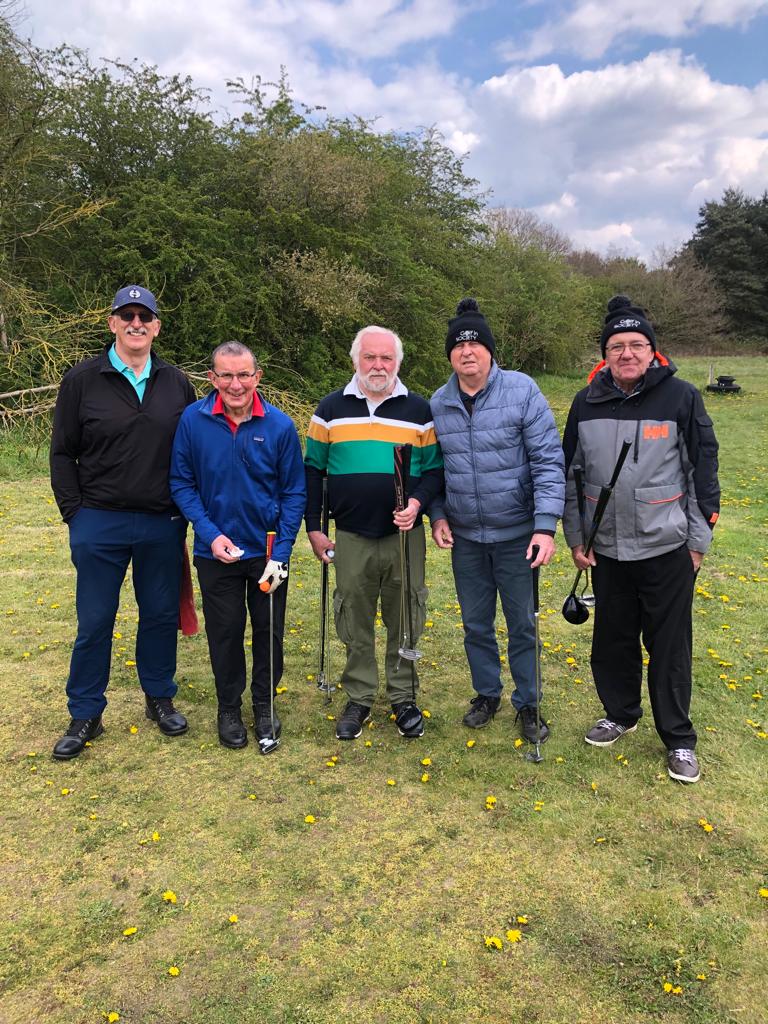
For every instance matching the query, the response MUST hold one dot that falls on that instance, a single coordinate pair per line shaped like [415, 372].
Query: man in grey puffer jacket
[504, 492]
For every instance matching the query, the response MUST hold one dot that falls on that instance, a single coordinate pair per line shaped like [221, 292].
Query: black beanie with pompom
[469, 324]
[623, 317]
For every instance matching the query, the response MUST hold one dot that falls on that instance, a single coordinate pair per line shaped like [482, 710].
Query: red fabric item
[188, 623]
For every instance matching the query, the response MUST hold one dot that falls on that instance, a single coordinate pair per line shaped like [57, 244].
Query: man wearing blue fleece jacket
[236, 474]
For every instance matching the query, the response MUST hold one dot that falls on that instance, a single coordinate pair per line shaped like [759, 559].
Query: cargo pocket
[341, 618]
[660, 515]
[419, 613]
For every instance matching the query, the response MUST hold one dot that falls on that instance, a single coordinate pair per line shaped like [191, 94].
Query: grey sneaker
[605, 732]
[683, 765]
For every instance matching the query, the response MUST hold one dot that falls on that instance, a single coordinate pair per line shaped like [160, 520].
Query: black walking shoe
[481, 711]
[232, 732]
[262, 722]
[353, 718]
[77, 735]
[169, 721]
[527, 718]
[408, 719]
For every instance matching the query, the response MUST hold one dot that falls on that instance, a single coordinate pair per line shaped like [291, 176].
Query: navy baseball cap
[131, 295]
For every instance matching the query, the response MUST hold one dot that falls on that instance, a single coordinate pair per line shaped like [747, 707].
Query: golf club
[587, 598]
[574, 610]
[270, 743]
[324, 683]
[535, 755]
[406, 651]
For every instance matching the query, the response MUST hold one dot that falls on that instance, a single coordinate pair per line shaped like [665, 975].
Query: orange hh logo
[652, 432]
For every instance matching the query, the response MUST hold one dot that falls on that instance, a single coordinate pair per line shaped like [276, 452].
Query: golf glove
[275, 572]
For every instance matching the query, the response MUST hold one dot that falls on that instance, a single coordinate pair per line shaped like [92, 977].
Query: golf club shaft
[535, 582]
[605, 496]
[324, 520]
[270, 544]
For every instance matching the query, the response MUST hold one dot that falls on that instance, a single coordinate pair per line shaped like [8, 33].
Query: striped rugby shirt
[354, 445]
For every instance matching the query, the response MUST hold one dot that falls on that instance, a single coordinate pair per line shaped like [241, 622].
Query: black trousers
[651, 598]
[227, 589]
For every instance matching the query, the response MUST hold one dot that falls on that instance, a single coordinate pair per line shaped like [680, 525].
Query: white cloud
[591, 27]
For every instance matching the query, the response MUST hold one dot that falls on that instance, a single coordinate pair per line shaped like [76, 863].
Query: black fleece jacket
[108, 449]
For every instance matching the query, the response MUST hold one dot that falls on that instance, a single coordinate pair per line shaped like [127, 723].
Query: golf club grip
[402, 455]
[270, 543]
[535, 579]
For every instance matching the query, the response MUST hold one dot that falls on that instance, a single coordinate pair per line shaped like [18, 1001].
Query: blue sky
[614, 120]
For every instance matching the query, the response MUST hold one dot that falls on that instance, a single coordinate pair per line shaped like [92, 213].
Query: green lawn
[379, 910]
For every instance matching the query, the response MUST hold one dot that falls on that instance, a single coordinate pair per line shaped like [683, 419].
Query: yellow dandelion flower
[518, 743]
[391, 782]
[129, 931]
[570, 661]
[155, 837]
[334, 758]
[133, 730]
[600, 839]
[310, 819]
[667, 986]
[130, 664]
[763, 892]
[425, 777]
[112, 1017]
[593, 787]
[426, 761]
[514, 935]
[65, 791]
[310, 678]
[330, 764]
[331, 718]
[251, 796]
[281, 689]
[173, 971]
[368, 743]
[522, 919]
[426, 713]
[677, 990]
[233, 918]
[493, 942]
[701, 977]
[471, 743]
[169, 896]
[559, 760]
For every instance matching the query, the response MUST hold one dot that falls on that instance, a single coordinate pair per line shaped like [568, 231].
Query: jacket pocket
[660, 514]
[419, 599]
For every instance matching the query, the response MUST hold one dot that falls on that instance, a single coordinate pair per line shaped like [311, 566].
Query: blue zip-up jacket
[504, 467]
[241, 484]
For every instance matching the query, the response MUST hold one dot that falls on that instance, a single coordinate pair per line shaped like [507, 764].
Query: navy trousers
[102, 544]
[483, 572]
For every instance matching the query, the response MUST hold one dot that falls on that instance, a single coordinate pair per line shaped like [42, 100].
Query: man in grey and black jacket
[504, 490]
[654, 533]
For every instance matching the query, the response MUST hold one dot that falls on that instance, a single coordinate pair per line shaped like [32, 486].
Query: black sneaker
[77, 735]
[527, 718]
[408, 719]
[605, 732]
[353, 718]
[262, 722]
[232, 732]
[481, 711]
[161, 710]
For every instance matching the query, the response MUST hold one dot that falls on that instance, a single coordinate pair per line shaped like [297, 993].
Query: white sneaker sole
[682, 778]
[609, 743]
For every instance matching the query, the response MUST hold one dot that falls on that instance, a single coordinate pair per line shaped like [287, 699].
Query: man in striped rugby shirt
[351, 439]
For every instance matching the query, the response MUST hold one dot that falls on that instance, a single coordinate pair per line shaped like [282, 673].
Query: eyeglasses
[227, 378]
[635, 347]
[127, 317]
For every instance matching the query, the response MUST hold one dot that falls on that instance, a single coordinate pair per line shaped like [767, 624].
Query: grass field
[159, 880]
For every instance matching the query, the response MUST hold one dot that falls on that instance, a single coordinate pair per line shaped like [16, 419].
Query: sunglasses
[127, 317]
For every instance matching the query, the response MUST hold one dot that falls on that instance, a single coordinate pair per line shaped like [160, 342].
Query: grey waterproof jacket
[504, 472]
[667, 494]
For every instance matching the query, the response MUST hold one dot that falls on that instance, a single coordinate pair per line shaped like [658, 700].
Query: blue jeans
[102, 544]
[481, 571]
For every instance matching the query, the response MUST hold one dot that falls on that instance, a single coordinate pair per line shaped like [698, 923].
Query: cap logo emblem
[622, 324]
[135, 293]
[467, 336]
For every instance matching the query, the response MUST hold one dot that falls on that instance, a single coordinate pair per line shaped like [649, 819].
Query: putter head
[324, 685]
[409, 653]
[574, 610]
[534, 755]
[268, 744]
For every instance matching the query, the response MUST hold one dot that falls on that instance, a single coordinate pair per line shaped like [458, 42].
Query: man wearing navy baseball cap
[115, 418]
